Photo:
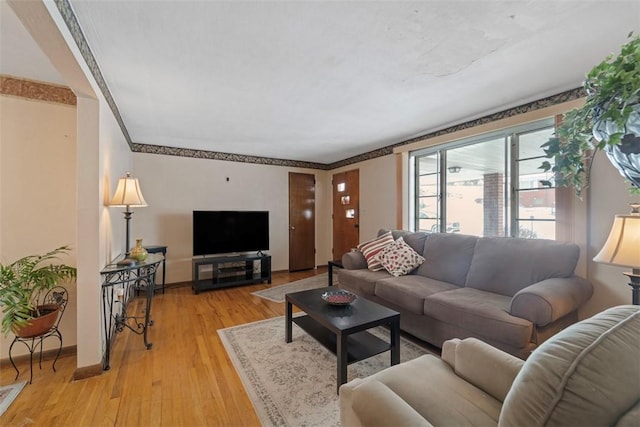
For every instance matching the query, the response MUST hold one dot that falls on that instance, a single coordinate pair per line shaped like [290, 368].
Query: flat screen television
[223, 232]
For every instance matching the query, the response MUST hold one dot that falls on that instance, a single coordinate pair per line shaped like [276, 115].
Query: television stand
[231, 270]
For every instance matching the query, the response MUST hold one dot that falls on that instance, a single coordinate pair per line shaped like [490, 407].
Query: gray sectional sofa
[511, 293]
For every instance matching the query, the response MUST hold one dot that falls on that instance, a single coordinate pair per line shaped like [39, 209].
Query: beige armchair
[588, 374]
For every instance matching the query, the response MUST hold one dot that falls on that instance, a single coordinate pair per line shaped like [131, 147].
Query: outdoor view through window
[487, 186]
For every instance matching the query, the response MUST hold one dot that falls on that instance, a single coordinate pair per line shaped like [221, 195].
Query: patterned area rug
[8, 394]
[295, 384]
[277, 293]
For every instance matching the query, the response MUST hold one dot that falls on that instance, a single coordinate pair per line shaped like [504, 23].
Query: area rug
[8, 394]
[277, 293]
[295, 384]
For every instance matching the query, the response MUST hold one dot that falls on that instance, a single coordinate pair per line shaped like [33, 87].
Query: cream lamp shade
[622, 247]
[128, 193]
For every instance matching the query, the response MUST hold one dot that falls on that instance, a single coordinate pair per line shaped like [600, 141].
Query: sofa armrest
[482, 365]
[354, 260]
[549, 300]
[375, 404]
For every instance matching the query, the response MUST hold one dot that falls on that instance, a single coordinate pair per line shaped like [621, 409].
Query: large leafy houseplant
[22, 281]
[602, 123]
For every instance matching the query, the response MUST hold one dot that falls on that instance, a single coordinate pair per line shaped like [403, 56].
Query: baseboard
[71, 350]
[87, 372]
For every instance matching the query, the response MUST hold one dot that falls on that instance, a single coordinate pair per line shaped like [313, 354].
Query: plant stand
[59, 296]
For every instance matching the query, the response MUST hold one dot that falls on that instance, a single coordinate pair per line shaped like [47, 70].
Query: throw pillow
[399, 258]
[371, 248]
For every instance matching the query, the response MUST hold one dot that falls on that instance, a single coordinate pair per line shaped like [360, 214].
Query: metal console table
[118, 289]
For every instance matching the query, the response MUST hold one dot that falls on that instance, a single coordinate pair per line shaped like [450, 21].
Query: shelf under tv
[231, 270]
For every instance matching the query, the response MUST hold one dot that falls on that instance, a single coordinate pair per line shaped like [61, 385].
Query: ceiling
[324, 81]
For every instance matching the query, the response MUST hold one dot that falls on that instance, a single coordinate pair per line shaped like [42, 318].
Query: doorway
[346, 212]
[302, 220]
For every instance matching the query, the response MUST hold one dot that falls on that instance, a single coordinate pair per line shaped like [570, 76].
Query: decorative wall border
[39, 91]
[72, 23]
[76, 32]
[569, 95]
[229, 157]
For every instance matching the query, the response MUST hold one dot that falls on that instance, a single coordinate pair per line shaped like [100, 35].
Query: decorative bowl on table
[339, 297]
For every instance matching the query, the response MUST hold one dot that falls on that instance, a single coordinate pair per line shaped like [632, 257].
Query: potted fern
[609, 120]
[20, 284]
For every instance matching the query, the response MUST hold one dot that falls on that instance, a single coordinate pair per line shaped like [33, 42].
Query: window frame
[511, 205]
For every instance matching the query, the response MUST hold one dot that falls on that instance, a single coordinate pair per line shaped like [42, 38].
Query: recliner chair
[586, 375]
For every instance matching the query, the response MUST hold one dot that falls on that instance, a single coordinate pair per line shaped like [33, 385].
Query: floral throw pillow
[399, 258]
[371, 248]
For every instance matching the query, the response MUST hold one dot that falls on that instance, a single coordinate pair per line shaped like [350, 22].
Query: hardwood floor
[186, 379]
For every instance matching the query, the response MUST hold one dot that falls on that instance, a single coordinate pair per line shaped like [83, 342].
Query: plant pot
[626, 158]
[626, 155]
[41, 324]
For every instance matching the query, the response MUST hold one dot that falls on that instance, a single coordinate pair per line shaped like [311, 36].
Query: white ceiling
[326, 80]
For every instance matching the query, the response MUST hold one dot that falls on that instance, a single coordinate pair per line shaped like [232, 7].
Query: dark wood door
[302, 221]
[346, 212]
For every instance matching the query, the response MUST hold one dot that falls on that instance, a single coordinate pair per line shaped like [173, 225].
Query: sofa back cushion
[447, 257]
[586, 375]
[414, 239]
[504, 265]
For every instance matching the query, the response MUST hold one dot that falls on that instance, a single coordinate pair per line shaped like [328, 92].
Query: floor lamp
[129, 195]
[622, 248]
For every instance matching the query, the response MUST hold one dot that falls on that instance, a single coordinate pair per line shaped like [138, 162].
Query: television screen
[221, 232]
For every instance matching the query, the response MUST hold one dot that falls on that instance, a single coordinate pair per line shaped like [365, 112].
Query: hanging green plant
[609, 120]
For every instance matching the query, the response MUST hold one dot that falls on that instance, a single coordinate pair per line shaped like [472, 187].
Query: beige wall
[37, 187]
[175, 186]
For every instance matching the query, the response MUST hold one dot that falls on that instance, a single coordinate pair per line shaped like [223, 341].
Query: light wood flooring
[186, 379]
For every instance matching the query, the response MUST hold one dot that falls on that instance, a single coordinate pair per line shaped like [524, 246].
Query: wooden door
[346, 212]
[302, 221]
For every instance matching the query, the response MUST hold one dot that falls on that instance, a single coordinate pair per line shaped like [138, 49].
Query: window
[486, 186]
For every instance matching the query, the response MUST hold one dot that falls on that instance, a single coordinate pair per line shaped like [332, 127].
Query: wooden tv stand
[231, 270]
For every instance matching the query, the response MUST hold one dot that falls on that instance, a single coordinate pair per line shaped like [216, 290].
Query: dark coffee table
[343, 329]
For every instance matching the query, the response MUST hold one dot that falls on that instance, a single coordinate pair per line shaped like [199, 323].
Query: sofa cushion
[410, 291]
[361, 282]
[587, 374]
[398, 258]
[483, 314]
[372, 248]
[447, 257]
[504, 265]
[416, 241]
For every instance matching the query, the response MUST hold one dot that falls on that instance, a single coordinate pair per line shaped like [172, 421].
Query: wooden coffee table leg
[341, 353]
[395, 341]
[288, 321]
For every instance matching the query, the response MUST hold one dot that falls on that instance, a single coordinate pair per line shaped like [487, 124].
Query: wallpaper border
[39, 91]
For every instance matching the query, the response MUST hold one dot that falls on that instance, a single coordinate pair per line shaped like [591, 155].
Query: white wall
[608, 196]
[37, 183]
[175, 186]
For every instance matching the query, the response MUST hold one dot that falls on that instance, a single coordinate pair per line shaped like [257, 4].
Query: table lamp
[622, 248]
[129, 195]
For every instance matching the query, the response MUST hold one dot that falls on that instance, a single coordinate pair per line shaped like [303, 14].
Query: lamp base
[127, 262]
[634, 278]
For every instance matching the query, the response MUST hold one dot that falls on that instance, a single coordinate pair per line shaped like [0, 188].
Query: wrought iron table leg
[147, 315]
[11, 359]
